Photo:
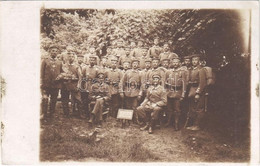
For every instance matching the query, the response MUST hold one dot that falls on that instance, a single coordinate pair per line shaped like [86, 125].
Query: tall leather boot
[169, 118]
[91, 120]
[176, 124]
[151, 127]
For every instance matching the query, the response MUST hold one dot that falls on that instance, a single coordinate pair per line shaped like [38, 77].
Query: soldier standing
[144, 77]
[137, 52]
[165, 64]
[196, 96]
[131, 88]
[175, 85]
[114, 76]
[92, 52]
[120, 50]
[100, 93]
[70, 85]
[155, 99]
[143, 58]
[156, 50]
[89, 74]
[50, 69]
[126, 57]
[156, 70]
[166, 54]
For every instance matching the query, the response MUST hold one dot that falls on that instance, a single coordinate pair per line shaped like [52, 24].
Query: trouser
[75, 101]
[148, 114]
[53, 94]
[132, 103]
[98, 109]
[196, 109]
[173, 109]
[114, 105]
[85, 103]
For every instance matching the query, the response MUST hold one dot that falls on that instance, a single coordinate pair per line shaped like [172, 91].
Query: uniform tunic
[154, 51]
[100, 93]
[155, 95]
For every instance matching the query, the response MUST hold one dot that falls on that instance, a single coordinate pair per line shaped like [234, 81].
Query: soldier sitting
[149, 110]
[99, 93]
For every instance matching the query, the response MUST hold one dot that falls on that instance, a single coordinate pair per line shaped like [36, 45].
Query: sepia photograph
[145, 85]
[129, 82]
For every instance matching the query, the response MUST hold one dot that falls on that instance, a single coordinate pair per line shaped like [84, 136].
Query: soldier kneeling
[149, 110]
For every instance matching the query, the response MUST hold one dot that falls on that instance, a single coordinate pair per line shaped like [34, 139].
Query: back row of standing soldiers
[149, 82]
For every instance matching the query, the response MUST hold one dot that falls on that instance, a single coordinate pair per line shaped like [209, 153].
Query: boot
[150, 130]
[176, 120]
[168, 120]
[146, 127]
[99, 125]
[91, 118]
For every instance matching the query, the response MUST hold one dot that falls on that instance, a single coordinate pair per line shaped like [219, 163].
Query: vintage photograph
[145, 85]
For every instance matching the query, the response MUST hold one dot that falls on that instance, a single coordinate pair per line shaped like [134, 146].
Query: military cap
[148, 60]
[100, 73]
[135, 60]
[165, 59]
[103, 57]
[53, 46]
[92, 57]
[187, 57]
[156, 76]
[126, 61]
[113, 59]
[196, 55]
[176, 58]
[79, 55]
[155, 58]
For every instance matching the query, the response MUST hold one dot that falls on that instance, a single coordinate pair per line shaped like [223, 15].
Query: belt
[173, 87]
[194, 84]
[134, 84]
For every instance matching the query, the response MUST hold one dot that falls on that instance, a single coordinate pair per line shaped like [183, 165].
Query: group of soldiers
[151, 82]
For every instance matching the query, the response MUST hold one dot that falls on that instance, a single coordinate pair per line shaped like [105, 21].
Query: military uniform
[124, 58]
[142, 60]
[137, 52]
[160, 71]
[70, 88]
[175, 85]
[100, 93]
[149, 110]
[146, 82]
[130, 86]
[89, 74]
[50, 69]
[154, 52]
[113, 79]
[197, 83]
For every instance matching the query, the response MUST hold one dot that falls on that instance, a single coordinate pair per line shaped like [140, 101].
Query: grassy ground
[68, 140]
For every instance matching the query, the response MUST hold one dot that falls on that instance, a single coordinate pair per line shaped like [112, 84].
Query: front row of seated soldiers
[130, 84]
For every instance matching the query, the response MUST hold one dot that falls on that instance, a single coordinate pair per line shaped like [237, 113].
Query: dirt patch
[72, 140]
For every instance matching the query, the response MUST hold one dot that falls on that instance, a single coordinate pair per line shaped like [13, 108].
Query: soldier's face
[126, 66]
[119, 44]
[187, 62]
[165, 64]
[71, 57]
[156, 81]
[166, 48]
[101, 78]
[147, 65]
[104, 61]
[144, 53]
[156, 41]
[113, 64]
[175, 63]
[92, 50]
[53, 52]
[109, 51]
[140, 44]
[127, 51]
[135, 65]
[195, 61]
[92, 61]
[132, 44]
[155, 63]
[80, 60]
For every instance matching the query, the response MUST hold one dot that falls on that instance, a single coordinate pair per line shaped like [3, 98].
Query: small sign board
[125, 114]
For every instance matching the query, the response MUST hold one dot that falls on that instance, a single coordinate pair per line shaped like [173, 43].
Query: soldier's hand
[181, 98]
[122, 95]
[139, 98]
[197, 96]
